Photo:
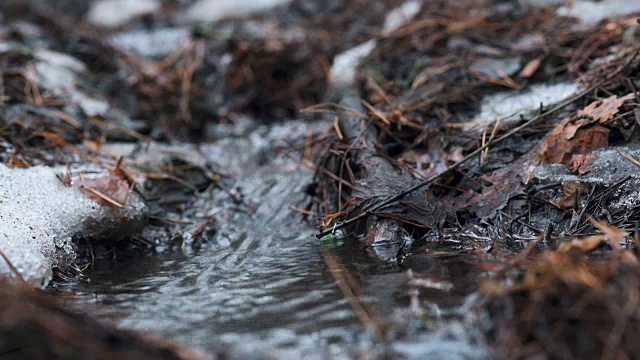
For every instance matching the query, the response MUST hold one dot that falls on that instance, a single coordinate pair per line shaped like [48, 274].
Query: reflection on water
[278, 300]
[200, 298]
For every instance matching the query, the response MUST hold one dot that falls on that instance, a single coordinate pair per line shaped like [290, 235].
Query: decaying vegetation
[420, 88]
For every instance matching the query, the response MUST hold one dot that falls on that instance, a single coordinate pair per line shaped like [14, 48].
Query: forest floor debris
[463, 161]
[518, 120]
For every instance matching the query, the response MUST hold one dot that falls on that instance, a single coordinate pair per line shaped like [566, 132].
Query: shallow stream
[261, 288]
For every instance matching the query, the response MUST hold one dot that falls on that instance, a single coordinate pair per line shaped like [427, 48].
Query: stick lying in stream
[476, 152]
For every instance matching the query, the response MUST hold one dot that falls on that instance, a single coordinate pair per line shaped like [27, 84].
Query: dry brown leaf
[108, 190]
[598, 111]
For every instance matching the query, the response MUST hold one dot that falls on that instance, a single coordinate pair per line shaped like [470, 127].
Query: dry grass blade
[338, 109]
[629, 157]
[484, 154]
[376, 112]
[328, 219]
[336, 126]
[103, 196]
[378, 89]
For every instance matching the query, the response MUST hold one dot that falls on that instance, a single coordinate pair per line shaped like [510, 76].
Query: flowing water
[260, 288]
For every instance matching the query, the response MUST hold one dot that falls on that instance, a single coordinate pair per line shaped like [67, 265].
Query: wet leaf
[507, 183]
[107, 190]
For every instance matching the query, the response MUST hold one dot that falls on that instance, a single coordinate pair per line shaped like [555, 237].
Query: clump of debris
[577, 301]
[433, 100]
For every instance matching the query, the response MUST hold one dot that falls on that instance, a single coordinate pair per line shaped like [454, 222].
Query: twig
[479, 150]
[629, 157]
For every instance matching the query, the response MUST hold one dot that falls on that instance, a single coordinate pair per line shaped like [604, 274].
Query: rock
[39, 217]
[114, 13]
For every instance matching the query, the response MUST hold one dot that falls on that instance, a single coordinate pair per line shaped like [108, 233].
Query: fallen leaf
[108, 190]
[572, 191]
[581, 163]
[530, 69]
[598, 111]
[557, 149]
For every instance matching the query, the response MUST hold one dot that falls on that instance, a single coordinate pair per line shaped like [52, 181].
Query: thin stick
[629, 157]
[454, 166]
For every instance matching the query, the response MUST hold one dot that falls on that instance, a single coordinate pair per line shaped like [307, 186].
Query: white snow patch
[590, 12]
[114, 13]
[400, 16]
[343, 71]
[509, 104]
[214, 10]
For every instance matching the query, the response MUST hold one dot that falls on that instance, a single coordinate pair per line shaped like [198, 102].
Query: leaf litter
[543, 183]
